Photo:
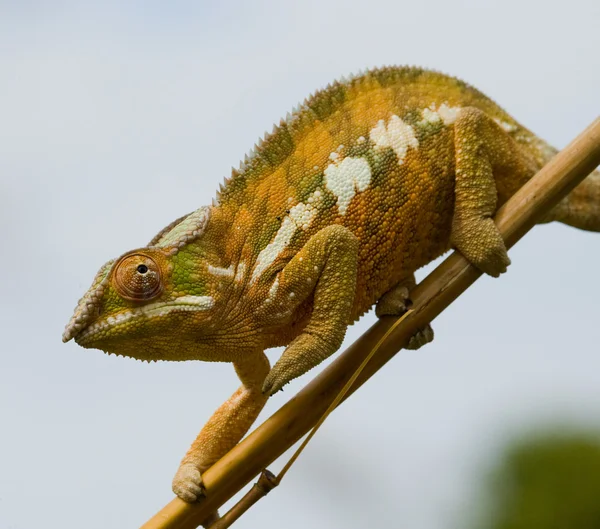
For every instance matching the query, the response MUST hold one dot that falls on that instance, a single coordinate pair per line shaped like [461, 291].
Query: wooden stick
[280, 431]
[265, 484]
[267, 481]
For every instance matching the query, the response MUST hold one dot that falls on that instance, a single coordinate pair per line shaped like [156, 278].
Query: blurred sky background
[118, 117]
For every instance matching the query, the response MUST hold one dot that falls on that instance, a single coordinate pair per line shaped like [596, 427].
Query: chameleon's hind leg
[225, 428]
[481, 148]
[324, 268]
[396, 302]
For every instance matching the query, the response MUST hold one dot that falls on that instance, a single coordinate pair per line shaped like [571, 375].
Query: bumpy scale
[367, 181]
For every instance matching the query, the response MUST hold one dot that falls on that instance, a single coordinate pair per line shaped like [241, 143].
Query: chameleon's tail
[581, 208]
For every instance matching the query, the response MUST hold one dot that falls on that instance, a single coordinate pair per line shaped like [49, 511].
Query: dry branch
[280, 431]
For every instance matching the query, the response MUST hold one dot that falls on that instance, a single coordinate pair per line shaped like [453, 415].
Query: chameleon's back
[375, 154]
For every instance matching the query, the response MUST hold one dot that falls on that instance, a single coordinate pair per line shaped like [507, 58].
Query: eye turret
[137, 277]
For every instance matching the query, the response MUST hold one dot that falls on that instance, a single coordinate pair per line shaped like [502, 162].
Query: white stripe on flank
[300, 217]
[273, 289]
[198, 302]
[239, 274]
[219, 271]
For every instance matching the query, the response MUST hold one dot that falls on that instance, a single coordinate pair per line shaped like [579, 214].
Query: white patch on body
[448, 114]
[303, 214]
[397, 134]
[274, 248]
[273, 290]
[239, 274]
[431, 116]
[345, 178]
[505, 125]
[219, 271]
[444, 113]
[198, 302]
[300, 217]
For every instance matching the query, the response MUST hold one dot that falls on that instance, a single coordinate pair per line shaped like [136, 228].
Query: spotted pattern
[365, 182]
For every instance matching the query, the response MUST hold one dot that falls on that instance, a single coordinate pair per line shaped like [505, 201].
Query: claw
[271, 385]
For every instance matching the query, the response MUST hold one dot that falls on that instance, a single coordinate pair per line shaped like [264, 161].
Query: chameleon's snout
[88, 307]
[86, 312]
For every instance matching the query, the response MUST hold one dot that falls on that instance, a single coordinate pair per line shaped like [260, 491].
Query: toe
[497, 263]
[187, 483]
[420, 338]
[271, 385]
[393, 302]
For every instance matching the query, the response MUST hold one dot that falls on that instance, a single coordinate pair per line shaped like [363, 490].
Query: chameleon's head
[150, 303]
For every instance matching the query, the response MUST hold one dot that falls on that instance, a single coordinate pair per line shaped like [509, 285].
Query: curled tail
[581, 208]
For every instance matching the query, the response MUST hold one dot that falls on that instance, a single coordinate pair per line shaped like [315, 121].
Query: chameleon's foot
[187, 483]
[420, 338]
[302, 354]
[395, 303]
[481, 243]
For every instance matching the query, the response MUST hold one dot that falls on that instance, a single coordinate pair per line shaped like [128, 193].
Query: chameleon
[331, 213]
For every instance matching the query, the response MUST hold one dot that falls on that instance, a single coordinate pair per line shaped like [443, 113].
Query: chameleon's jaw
[134, 321]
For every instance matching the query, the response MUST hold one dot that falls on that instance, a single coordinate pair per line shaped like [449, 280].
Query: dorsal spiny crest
[274, 148]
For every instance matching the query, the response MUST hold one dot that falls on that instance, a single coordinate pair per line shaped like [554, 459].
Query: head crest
[183, 231]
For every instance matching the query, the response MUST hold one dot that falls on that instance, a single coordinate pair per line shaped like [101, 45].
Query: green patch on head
[188, 276]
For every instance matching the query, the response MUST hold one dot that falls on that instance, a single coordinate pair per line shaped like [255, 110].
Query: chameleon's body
[367, 181]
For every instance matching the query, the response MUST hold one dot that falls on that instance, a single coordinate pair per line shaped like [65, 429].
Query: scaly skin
[366, 182]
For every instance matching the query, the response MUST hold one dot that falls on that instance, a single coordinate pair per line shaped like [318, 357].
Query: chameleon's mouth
[128, 320]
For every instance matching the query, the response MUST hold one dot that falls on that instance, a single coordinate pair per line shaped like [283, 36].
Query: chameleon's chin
[146, 347]
[132, 331]
[148, 352]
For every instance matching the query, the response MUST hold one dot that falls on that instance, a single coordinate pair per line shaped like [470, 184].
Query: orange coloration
[368, 181]
[137, 277]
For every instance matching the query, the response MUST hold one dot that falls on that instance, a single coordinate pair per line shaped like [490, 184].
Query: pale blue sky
[115, 120]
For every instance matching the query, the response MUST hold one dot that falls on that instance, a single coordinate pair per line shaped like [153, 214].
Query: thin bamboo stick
[280, 431]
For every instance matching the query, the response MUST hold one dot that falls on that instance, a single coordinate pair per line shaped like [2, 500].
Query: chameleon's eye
[137, 277]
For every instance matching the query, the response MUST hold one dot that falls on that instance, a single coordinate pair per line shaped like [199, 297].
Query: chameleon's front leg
[326, 269]
[225, 428]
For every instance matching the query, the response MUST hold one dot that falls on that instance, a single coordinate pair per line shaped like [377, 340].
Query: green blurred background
[545, 481]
